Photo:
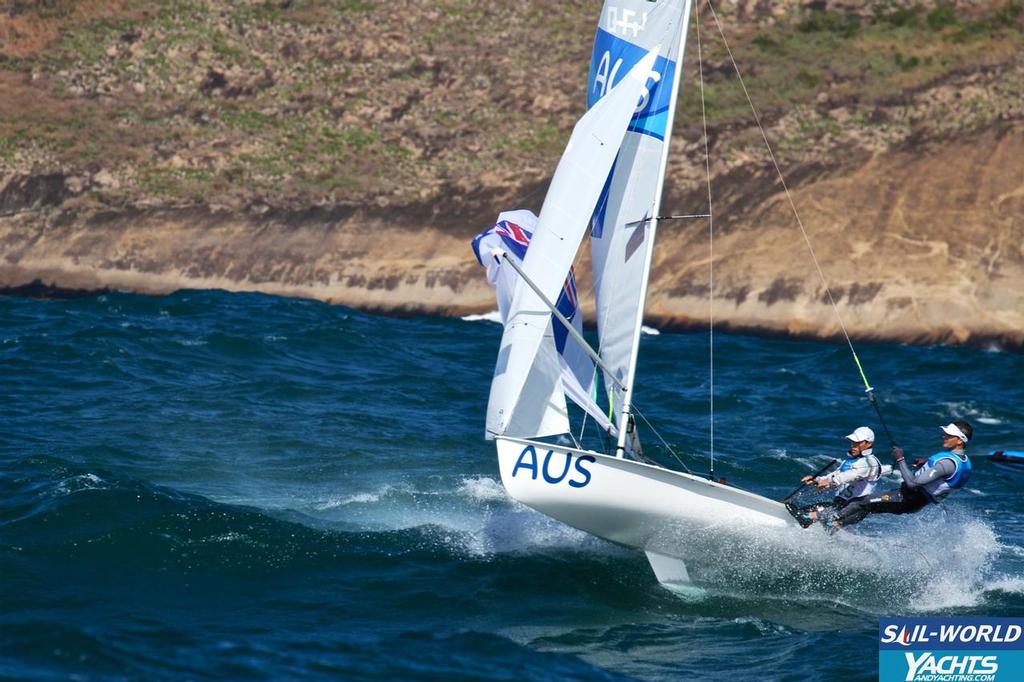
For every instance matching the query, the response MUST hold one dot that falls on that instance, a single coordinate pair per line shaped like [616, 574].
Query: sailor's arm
[860, 469]
[944, 468]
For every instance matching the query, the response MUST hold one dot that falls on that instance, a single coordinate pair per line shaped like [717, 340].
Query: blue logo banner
[950, 649]
[612, 59]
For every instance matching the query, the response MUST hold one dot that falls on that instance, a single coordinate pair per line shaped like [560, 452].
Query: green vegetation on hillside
[302, 102]
[864, 64]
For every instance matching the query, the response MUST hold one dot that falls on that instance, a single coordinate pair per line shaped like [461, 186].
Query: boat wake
[880, 567]
[883, 567]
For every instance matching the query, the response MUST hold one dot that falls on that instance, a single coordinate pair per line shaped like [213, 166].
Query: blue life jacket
[942, 487]
[863, 486]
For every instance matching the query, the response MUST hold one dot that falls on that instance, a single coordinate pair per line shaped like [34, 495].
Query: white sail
[622, 233]
[509, 238]
[522, 387]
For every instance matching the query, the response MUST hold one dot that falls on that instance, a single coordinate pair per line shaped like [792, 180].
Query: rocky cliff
[348, 151]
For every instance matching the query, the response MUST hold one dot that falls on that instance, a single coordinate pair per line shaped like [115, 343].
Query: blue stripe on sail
[612, 59]
[651, 125]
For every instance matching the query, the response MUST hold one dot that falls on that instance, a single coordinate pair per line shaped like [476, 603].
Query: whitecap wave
[74, 484]
[517, 529]
[1008, 584]
[959, 410]
[471, 516]
[357, 498]
[493, 316]
[483, 488]
[813, 463]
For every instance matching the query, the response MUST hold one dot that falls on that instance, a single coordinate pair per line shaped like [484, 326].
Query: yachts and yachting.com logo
[951, 649]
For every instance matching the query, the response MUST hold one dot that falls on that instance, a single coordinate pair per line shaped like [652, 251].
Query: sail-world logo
[950, 649]
[555, 468]
[924, 634]
[902, 637]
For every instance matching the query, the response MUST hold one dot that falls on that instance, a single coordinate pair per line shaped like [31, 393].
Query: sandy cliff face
[350, 257]
[919, 247]
[346, 152]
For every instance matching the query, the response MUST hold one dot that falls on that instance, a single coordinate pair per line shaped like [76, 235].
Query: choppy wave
[966, 409]
[302, 490]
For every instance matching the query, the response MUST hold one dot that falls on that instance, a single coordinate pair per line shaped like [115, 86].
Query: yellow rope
[792, 204]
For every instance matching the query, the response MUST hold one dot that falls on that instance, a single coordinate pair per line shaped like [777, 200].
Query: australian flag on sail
[516, 238]
[511, 235]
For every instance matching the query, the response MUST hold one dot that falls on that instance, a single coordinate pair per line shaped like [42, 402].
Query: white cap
[862, 433]
[952, 429]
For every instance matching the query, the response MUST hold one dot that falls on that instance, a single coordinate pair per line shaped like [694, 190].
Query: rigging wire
[821, 274]
[663, 441]
[711, 252]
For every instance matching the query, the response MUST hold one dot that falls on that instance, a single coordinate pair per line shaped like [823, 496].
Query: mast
[627, 397]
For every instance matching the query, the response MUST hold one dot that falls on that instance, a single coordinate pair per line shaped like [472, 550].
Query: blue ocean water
[213, 485]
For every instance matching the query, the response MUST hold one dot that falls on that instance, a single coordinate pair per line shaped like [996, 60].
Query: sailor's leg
[807, 514]
[856, 510]
[914, 501]
[902, 501]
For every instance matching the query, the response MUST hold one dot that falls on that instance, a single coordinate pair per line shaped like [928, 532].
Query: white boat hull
[631, 503]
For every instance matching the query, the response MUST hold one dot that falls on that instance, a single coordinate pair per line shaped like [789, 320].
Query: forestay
[525, 381]
[623, 225]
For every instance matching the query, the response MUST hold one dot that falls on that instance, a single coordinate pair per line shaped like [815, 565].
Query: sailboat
[608, 183]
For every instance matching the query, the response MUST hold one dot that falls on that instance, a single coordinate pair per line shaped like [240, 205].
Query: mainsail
[525, 380]
[623, 225]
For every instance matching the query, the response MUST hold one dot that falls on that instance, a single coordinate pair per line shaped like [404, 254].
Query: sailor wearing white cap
[859, 472]
[938, 476]
[855, 478]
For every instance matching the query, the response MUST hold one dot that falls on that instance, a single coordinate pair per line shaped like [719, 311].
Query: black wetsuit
[910, 498]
